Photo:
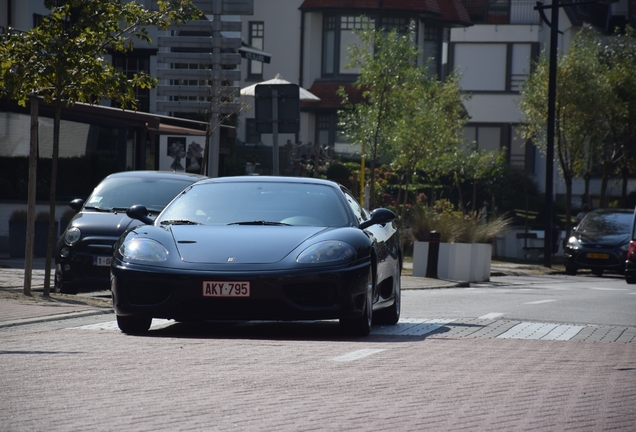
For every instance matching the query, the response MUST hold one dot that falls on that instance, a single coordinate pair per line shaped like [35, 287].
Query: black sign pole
[275, 130]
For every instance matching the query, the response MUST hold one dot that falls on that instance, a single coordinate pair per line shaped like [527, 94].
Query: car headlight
[72, 236]
[624, 247]
[326, 251]
[142, 249]
[573, 243]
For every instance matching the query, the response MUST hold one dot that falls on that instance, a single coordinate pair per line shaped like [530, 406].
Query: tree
[63, 61]
[619, 55]
[385, 60]
[430, 124]
[582, 92]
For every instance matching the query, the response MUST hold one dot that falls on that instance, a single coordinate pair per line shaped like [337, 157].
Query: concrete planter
[464, 262]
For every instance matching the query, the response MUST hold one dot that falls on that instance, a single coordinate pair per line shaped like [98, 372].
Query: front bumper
[80, 267]
[293, 295]
[582, 258]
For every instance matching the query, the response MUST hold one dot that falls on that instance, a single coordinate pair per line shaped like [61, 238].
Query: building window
[493, 137]
[485, 138]
[256, 39]
[507, 67]
[132, 64]
[338, 34]
[436, 41]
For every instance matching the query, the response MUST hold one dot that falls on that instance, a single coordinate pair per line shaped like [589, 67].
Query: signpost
[213, 97]
[277, 110]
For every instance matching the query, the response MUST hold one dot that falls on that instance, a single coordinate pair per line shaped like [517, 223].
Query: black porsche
[259, 248]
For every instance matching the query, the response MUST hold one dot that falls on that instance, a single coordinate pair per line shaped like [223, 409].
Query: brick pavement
[278, 380]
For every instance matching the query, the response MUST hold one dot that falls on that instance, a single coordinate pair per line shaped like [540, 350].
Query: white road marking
[491, 316]
[610, 289]
[356, 355]
[542, 331]
[112, 325]
[541, 301]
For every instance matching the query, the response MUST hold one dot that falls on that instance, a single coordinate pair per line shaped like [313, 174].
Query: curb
[55, 317]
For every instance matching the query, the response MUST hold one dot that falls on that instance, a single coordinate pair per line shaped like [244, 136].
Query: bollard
[433, 255]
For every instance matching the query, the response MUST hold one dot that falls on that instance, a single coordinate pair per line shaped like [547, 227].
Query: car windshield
[606, 222]
[119, 193]
[258, 203]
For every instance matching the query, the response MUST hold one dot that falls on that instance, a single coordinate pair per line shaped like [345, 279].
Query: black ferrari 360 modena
[259, 248]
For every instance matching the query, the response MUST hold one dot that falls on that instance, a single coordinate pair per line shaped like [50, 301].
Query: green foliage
[63, 59]
[455, 226]
[18, 216]
[338, 171]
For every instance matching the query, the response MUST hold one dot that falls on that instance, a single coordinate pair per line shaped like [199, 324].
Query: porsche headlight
[142, 249]
[72, 236]
[326, 251]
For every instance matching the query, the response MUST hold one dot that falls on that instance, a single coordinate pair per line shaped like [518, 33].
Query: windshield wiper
[99, 209]
[180, 222]
[260, 222]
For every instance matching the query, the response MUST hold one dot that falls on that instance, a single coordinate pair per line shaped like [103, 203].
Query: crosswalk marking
[410, 327]
[356, 355]
[491, 316]
[541, 301]
[542, 331]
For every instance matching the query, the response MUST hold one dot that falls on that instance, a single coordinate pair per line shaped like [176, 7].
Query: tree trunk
[568, 206]
[52, 199]
[607, 170]
[625, 178]
[586, 195]
[33, 168]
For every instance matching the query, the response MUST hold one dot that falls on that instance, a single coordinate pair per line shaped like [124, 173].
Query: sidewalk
[16, 308]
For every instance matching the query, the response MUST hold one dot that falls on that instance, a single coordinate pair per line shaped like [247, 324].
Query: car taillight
[631, 252]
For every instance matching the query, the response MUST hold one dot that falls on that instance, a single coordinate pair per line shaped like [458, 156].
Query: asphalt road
[560, 357]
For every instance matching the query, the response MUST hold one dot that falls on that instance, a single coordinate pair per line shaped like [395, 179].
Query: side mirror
[140, 213]
[378, 217]
[76, 204]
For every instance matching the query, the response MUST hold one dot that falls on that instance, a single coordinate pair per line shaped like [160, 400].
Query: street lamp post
[549, 167]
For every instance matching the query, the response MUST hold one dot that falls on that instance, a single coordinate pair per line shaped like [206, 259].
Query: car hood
[602, 239]
[94, 224]
[243, 244]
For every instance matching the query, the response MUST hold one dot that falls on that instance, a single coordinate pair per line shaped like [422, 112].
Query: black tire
[68, 288]
[597, 272]
[133, 324]
[361, 326]
[630, 280]
[391, 314]
[570, 270]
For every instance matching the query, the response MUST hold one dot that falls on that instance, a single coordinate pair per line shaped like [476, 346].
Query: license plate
[226, 289]
[101, 261]
[598, 255]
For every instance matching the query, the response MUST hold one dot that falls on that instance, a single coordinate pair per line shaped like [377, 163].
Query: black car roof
[272, 179]
[159, 174]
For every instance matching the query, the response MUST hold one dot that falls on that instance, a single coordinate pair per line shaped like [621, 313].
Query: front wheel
[361, 326]
[571, 271]
[391, 314]
[630, 280]
[133, 324]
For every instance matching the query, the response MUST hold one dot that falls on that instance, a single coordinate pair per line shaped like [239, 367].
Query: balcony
[502, 11]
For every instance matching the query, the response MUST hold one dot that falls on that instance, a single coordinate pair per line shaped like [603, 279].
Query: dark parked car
[630, 262]
[264, 248]
[84, 250]
[599, 242]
